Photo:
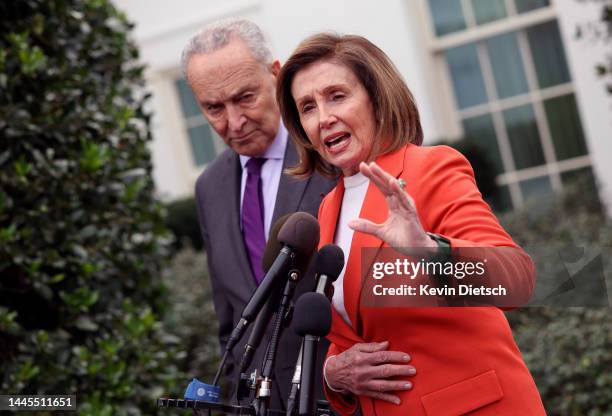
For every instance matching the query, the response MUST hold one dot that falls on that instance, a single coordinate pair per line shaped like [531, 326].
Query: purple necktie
[252, 217]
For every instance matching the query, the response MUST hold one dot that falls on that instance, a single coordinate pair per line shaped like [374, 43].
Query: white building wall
[387, 24]
[399, 27]
[162, 31]
[594, 104]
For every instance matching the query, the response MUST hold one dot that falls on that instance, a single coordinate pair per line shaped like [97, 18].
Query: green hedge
[182, 220]
[82, 240]
[568, 350]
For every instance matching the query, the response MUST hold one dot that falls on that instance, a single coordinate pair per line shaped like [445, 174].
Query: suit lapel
[231, 204]
[330, 214]
[290, 190]
[375, 209]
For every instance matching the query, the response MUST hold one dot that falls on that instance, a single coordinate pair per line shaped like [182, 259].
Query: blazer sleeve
[450, 204]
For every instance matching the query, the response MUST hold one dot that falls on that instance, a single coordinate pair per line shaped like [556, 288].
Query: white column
[594, 103]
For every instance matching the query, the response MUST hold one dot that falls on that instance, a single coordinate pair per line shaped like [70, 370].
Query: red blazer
[466, 359]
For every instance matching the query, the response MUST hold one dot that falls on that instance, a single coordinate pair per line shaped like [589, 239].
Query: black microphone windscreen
[312, 315]
[273, 246]
[300, 232]
[330, 261]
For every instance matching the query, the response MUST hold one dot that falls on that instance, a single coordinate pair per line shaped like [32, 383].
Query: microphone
[328, 265]
[311, 320]
[273, 248]
[298, 235]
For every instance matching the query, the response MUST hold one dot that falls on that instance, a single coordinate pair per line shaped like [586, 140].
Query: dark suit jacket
[218, 198]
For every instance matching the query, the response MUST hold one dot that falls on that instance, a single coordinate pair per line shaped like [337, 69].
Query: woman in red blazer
[350, 113]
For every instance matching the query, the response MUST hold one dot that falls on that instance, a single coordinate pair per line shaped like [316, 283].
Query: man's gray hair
[218, 34]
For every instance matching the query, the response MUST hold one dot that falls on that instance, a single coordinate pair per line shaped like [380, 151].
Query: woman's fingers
[386, 371]
[391, 398]
[371, 346]
[364, 226]
[383, 357]
[403, 197]
[388, 184]
[380, 172]
[385, 386]
[383, 178]
[380, 183]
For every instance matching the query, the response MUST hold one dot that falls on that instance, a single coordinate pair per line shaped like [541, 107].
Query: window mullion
[468, 13]
[538, 108]
[510, 8]
[498, 122]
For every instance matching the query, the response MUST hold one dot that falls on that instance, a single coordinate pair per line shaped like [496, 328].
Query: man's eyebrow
[233, 97]
[206, 103]
[241, 91]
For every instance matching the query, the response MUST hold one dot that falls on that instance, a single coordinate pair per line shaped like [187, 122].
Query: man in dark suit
[243, 191]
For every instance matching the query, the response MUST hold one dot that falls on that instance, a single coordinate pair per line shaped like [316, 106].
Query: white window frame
[183, 124]
[444, 91]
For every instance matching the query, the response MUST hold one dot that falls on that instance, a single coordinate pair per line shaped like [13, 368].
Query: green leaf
[81, 299]
[88, 269]
[133, 189]
[111, 347]
[7, 320]
[22, 168]
[28, 371]
[93, 156]
[38, 24]
[32, 59]
[8, 234]
[57, 278]
[2, 60]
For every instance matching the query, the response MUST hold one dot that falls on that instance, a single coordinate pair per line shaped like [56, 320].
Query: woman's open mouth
[337, 143]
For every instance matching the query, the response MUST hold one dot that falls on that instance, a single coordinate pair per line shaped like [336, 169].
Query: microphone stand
[295, 384]
[245, 383]
[306, 400]
[262, 398]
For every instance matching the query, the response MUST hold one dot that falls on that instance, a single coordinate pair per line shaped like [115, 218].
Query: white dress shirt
[270, 176]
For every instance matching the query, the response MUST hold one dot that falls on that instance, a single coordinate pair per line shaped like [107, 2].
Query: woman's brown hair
[396, 114]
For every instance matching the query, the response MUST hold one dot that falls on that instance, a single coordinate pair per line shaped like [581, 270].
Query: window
[523, 6]
[513, 93]
[447, 16]
[467, 77]
[506, 65]
[524, 137]
[486, 11]
[204, 142]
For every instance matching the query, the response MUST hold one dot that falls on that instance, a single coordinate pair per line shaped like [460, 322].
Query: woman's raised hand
[402, 228]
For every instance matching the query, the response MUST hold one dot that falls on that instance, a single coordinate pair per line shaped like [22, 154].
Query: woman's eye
[307, 107]
[337, 96]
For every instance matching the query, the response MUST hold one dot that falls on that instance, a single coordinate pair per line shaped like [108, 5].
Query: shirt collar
[277, 147]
